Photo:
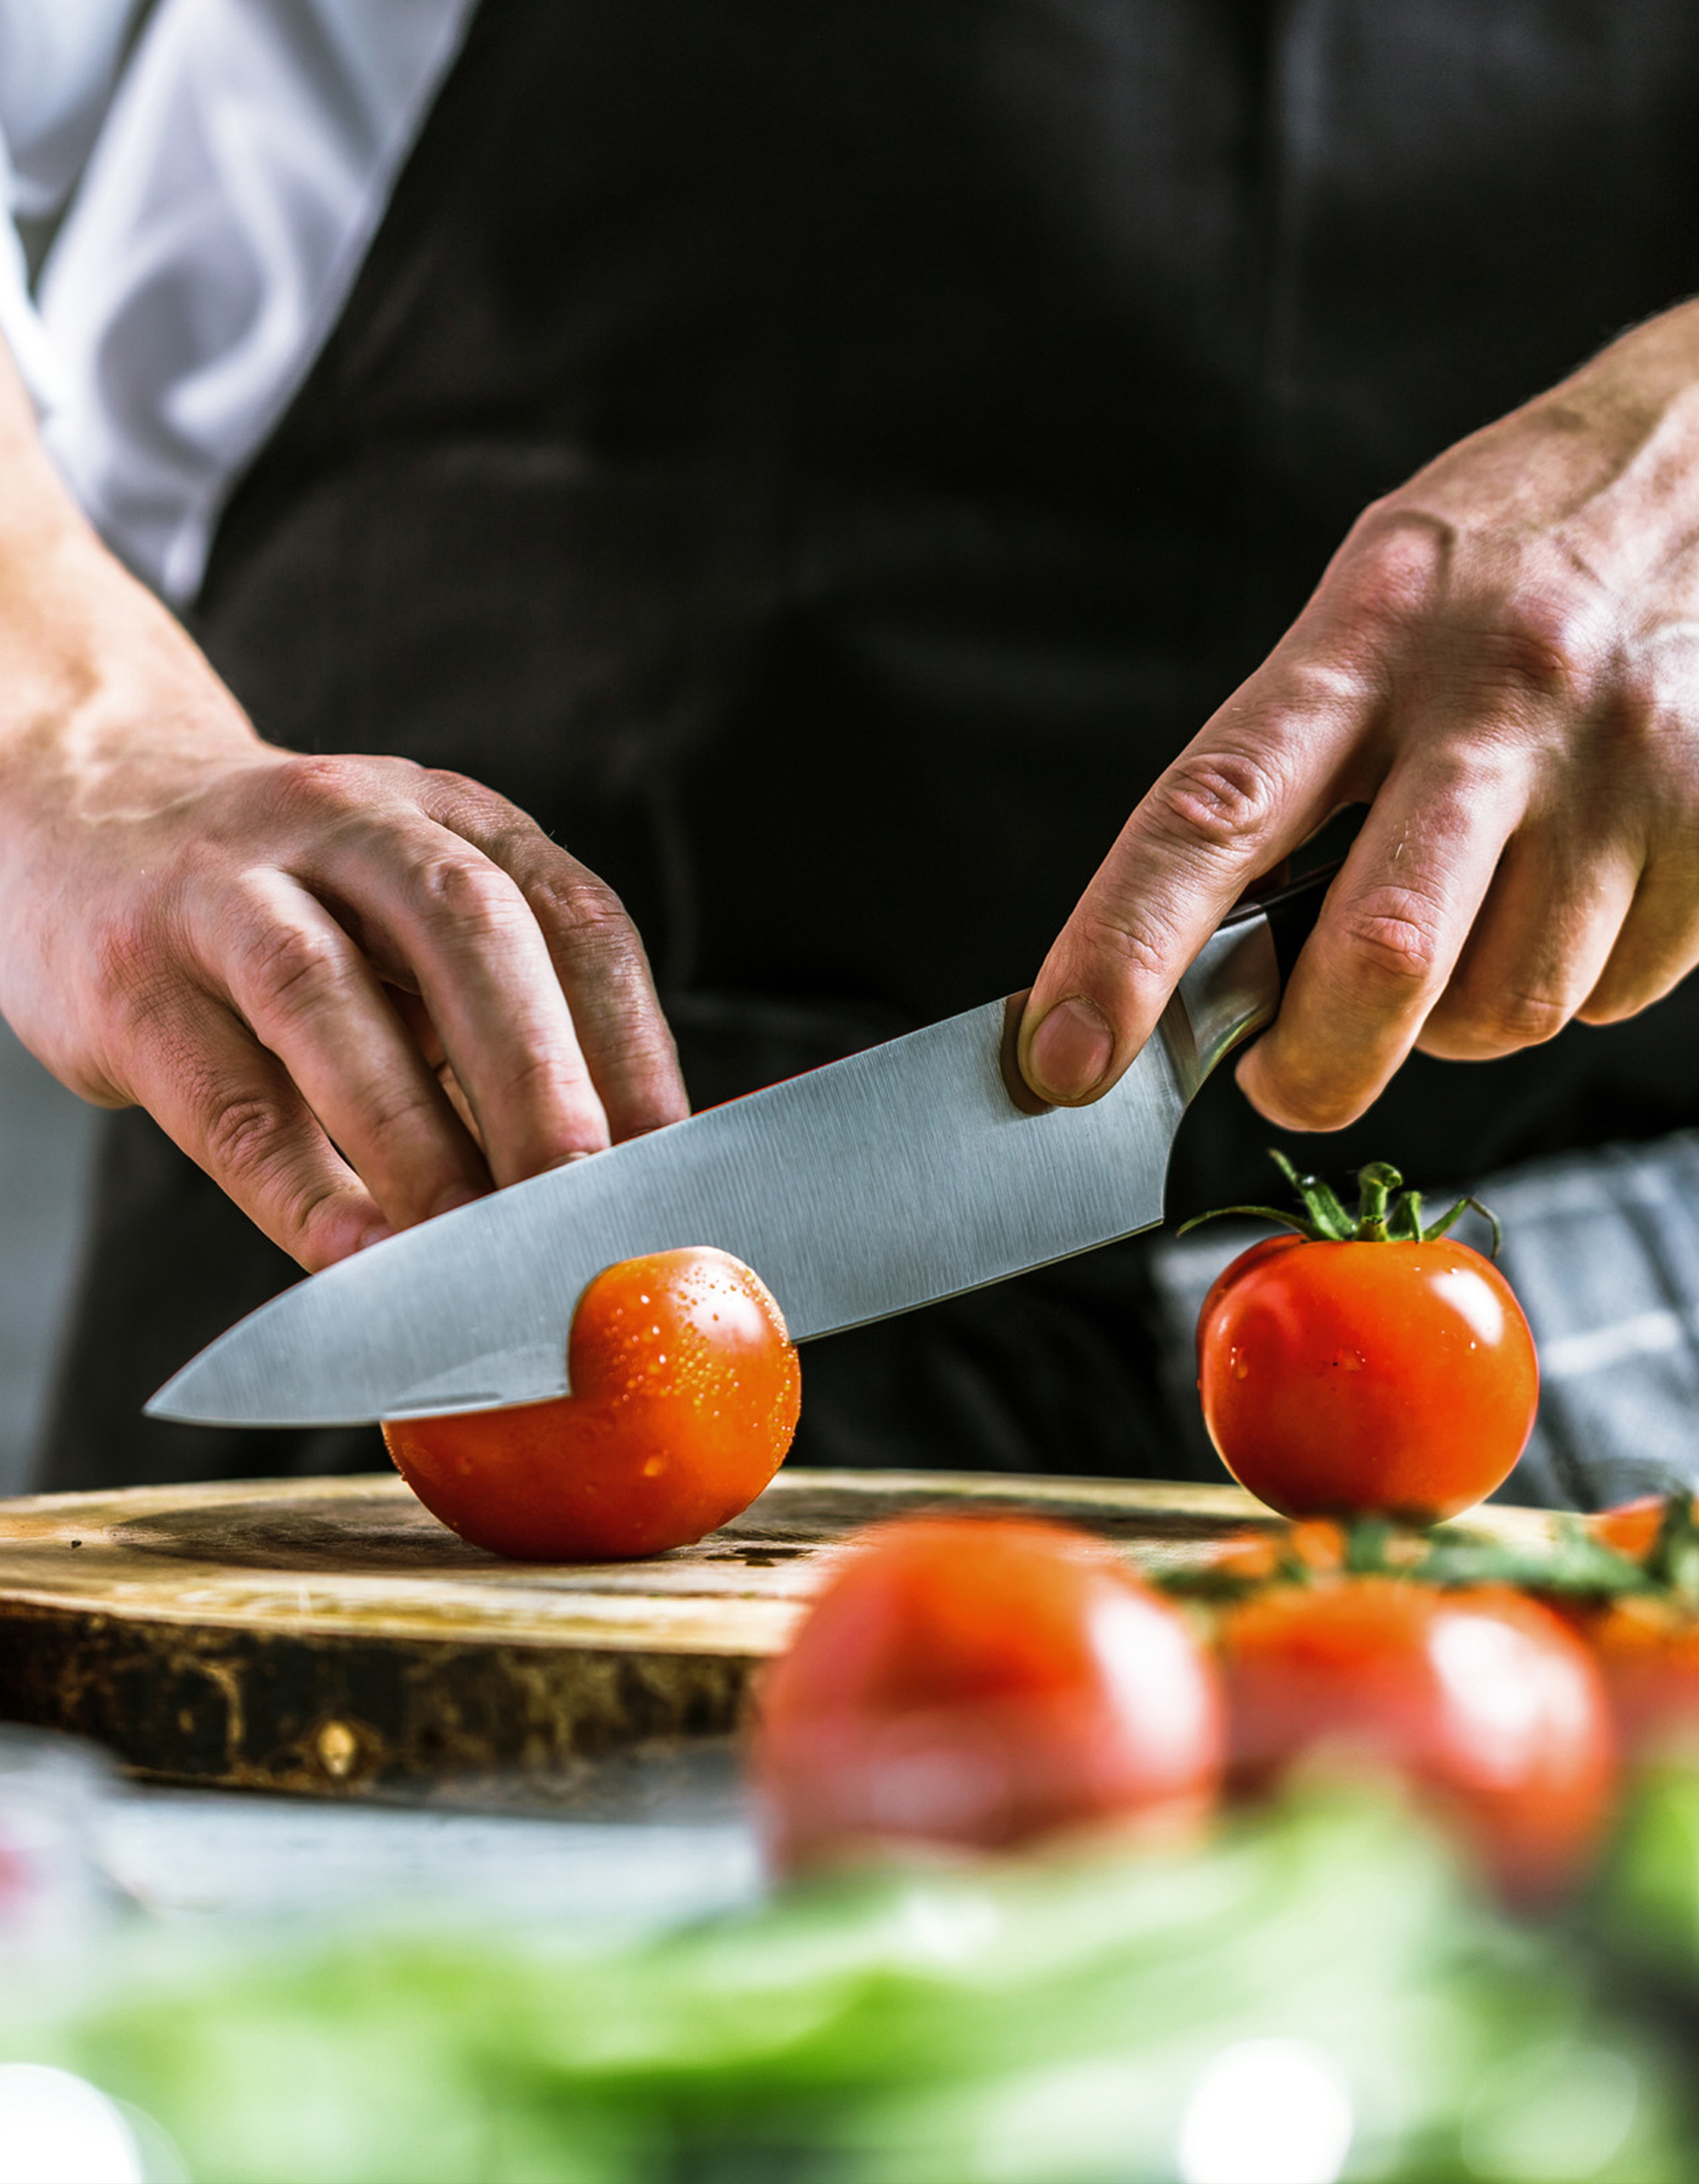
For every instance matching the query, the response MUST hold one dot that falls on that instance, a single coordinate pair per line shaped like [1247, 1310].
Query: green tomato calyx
[1387, 1213]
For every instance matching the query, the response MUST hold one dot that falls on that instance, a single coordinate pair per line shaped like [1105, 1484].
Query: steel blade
[881, 1183]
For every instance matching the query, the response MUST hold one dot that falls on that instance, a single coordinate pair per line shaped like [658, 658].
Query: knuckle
[1141, 949]
[1546, 647]
[292, 969]
[590, 919]
[1225, 800]
[1644, 738]
[458, 893]
[245, 1136]
[312, 781]
[457, 797]
[320, 795]
[645, 1065]
[1509, 1018]
[1391, 572]
[1392, 937]
[543, 1077]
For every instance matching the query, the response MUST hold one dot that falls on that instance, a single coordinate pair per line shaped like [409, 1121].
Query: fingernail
[1071, 1050]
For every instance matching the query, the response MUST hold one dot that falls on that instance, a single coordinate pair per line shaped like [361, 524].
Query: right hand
[356, 992]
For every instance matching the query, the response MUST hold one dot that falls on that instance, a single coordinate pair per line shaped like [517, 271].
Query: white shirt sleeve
[58, 59]
[237, 184]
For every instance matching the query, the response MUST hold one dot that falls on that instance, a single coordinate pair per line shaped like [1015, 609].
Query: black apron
[822, 462]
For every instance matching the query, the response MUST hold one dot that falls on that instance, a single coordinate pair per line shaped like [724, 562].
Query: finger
[432, 910]
[1258, 781]
[1536, 948]
[425, 1036]
[231, 1106]
[1389, 935]
[1658, 944]
[598, 956]
[311, 998]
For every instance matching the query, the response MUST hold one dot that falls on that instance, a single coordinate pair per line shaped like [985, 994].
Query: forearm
[277, 955]
[93, 670]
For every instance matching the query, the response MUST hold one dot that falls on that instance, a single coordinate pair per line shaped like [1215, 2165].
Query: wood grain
[329, 1637]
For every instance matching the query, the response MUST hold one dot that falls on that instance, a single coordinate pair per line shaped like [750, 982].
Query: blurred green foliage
[1050, 2021]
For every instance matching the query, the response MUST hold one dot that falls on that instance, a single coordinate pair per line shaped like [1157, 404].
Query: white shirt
[228, 176]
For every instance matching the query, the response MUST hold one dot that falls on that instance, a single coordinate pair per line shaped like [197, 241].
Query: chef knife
[909, 1172]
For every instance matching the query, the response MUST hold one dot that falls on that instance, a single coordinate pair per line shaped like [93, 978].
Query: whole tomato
[975, 1682]
[1483, 1699]
[686, 1391]
[1366, 1366]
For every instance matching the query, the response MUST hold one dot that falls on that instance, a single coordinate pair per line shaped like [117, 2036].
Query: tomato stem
[1386, 1213]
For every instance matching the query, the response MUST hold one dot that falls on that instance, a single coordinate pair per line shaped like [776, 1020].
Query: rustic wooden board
[329, 1637]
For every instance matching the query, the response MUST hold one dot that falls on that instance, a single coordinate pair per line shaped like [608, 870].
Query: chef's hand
[1502, 661]
[316, 972]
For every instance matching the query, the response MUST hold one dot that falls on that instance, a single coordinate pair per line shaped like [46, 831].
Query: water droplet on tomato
[1238, 1365]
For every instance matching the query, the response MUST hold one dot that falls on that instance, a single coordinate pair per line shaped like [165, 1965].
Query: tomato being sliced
[1395, 1374]
[1483, 1699]
[686, 1391]
[975, 1682]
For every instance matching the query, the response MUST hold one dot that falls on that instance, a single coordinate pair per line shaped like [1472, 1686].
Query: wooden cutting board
[329, 1637]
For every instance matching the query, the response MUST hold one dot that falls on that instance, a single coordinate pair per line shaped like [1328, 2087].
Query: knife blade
[900, 1176]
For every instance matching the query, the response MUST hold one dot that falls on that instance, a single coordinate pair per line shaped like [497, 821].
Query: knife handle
[1291, 913]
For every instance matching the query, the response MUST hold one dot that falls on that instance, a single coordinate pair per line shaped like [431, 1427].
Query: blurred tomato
[1631, 1528]
[686, 1391]
[1483, 1699]
[979, 1681]
[1648, 1651]
[1395, 1376]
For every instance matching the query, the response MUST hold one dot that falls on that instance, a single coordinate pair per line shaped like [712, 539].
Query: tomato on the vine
[686, 1391]
[975, 1682]
[1649, 1528]
[1647, 1642]
[1483, 1699]
[1365, 1365]
[1649, 1651]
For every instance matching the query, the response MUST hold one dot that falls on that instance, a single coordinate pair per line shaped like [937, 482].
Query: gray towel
[1603, 1250]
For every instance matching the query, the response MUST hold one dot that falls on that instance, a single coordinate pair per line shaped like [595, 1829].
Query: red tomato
[1339, 1378]
[1649, 1650]
[1631, 1528]
[1483, 1699]
[685, 1395]
[979, 1681]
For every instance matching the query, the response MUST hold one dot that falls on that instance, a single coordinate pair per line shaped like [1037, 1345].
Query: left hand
[1502, 661]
